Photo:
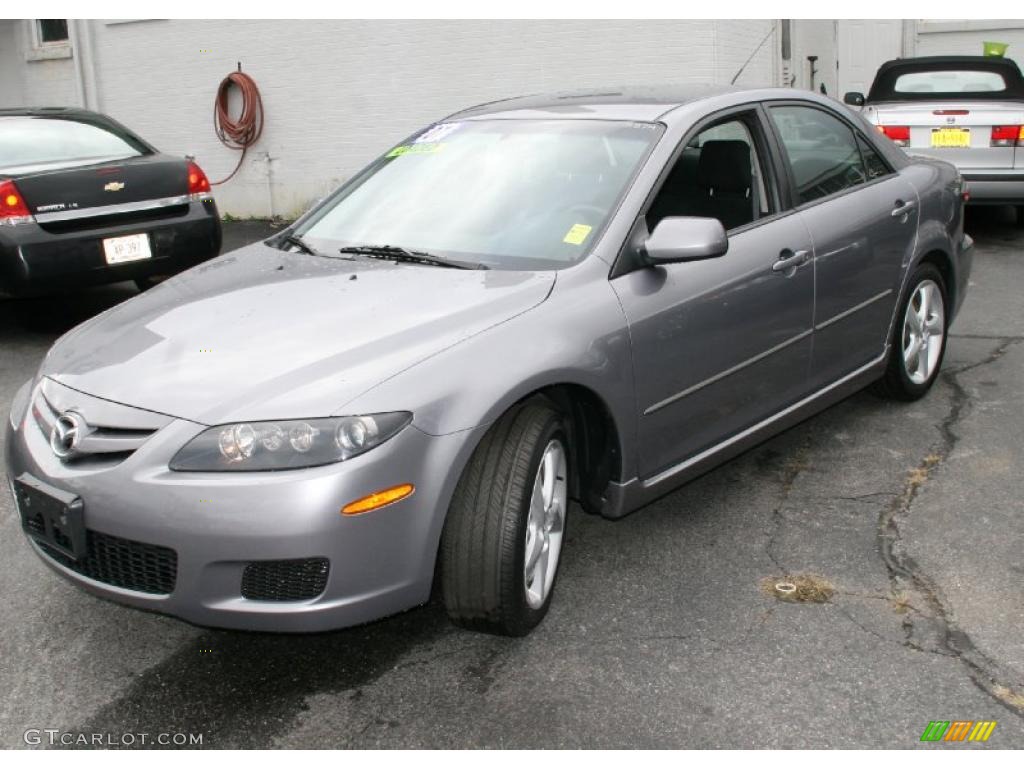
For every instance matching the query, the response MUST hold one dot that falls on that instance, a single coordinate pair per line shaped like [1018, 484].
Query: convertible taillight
[900, 134]
[13, 209]
[1007, 136]
[198, 184]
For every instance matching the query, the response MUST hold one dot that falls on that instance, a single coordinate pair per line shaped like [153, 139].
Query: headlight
[268, 445]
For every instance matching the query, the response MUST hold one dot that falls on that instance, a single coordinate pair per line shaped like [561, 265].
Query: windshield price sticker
[438, 132]
[415, 149]
[577, 234]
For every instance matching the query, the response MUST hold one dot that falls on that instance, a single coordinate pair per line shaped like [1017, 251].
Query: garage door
[864, 44]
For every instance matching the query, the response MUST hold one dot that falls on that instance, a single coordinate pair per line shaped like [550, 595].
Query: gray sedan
[588, 297]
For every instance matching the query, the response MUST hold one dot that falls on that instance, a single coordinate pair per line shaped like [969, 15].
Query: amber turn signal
[378, 499]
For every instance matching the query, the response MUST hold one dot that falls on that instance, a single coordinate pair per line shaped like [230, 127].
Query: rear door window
[30, 142]
[822, 151]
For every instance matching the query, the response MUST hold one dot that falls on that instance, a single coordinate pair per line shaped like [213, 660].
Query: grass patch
[798, 588]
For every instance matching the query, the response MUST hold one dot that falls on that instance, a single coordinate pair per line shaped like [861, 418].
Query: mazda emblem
[67, 433]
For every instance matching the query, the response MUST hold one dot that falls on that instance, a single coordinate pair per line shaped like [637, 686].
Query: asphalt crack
[906, 575]
[790, 472]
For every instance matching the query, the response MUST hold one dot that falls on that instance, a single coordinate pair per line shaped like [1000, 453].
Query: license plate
[951, 137]
[51, 516]
[128, 248]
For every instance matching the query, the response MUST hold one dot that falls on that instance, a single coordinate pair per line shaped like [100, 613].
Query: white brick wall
[336, 93]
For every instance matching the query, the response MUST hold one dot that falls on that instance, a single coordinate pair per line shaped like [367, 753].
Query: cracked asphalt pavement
[660, 634]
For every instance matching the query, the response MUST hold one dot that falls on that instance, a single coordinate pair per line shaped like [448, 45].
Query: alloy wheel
[924, 326]
[545, 524]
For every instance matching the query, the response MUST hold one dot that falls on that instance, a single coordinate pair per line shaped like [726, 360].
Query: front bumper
[381, 562]
[44, 258]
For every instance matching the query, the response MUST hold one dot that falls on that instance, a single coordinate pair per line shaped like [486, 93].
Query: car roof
[988, 61]
[45, 111]
[641, 103]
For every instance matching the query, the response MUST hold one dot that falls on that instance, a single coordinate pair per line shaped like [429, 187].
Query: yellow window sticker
[577, 234]
[415, 149]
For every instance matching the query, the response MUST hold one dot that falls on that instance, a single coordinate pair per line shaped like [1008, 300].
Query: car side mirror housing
[685, 238]
[854, 98]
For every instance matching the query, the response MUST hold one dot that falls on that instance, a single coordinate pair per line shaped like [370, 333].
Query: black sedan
[85, 201]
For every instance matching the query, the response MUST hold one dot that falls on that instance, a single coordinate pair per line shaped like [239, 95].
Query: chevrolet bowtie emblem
[114, 186]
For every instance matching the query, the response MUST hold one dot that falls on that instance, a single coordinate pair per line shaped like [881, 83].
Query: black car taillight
[198, 184]
[13, 209]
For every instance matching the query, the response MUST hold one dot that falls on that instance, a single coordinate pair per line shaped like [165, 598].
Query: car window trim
[794, 197]
[861, 141]
[772, 181]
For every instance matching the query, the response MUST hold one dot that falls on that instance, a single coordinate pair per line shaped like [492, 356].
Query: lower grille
[284, 580]
[123, 563]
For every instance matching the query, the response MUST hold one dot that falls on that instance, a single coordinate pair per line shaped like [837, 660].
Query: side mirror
[854, 98]
[685, 238]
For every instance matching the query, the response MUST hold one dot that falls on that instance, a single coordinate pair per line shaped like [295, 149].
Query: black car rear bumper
[44, 258]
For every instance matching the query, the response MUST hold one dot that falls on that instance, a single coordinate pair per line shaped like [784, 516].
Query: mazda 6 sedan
[85, 201]
[586, 298]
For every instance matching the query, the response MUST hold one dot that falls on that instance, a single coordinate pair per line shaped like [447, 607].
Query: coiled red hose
[245, 131]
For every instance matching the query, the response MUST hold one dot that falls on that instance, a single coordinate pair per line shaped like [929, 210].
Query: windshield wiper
[301, 244]
[397, 253]
[304, 247]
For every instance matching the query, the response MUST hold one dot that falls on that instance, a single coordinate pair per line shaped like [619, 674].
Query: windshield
[29, 142]
[511, 194]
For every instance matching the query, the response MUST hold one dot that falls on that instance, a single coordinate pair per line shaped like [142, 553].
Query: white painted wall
[25, 81]
[813, 37]
[963, 37]
[336, 93]
[862, 46]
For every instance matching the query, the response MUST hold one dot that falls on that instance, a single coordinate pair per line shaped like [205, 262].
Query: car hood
[263, 334]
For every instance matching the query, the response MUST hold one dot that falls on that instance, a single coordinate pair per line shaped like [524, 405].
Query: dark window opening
[718, 175]
[53, 30]
[873, 163]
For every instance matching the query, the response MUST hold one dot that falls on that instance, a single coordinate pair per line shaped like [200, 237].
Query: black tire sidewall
[526, 617]
[922, 273]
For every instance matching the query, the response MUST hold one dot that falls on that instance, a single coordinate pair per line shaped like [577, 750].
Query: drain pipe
[270, 182]
[78, 54]
[85, 72]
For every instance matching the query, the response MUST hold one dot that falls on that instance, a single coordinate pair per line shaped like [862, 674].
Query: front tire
[503, 537]
[919, 339]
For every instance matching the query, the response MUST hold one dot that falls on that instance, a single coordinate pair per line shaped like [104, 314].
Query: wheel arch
[596, 448]
[942, 261]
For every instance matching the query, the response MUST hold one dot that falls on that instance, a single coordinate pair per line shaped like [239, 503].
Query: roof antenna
[751, 57]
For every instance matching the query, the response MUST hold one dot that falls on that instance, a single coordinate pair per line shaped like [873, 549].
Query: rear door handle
[794, 260]
[902, 208]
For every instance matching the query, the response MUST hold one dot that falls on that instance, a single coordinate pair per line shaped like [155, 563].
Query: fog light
[378, 499]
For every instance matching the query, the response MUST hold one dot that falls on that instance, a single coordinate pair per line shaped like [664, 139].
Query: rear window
[30, 143]
[949, 81]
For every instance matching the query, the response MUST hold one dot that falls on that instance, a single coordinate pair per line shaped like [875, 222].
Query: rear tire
[503, 537]
[919, 338]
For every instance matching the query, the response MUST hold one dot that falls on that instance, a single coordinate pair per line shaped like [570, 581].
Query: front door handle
[902, 209]
[792, 261]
